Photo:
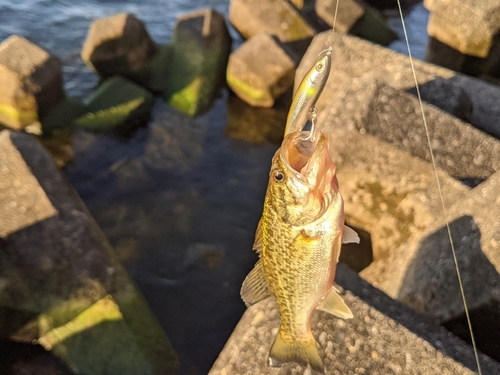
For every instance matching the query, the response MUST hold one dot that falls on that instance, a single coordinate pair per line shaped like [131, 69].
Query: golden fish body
[299, 239]
[307, 94]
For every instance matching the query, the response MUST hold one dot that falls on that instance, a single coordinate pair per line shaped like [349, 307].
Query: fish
[308, 92]
[298, 240]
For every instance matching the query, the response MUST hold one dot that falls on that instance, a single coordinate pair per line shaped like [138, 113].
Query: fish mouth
[308, 161]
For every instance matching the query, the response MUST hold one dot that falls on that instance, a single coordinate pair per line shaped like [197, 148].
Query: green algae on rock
[199, 53]
[118, 102]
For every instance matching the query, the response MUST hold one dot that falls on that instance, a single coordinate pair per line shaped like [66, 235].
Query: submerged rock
[60, 281]
[199, 52]
[260, 71]
[119, 45]
[30, 84]
[277, 17]
[117, 102]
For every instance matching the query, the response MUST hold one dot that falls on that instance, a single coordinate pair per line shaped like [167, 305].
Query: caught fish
[308, 93]
[298, 240]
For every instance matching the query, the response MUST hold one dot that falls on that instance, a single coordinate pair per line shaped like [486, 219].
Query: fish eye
[278, 176]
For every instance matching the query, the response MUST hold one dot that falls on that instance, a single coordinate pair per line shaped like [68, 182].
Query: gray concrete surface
[260, 70]
[384, 337]
[353, 57]
[61, 284]
[30, 84]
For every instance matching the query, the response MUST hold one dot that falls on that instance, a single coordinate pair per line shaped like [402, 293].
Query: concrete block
[353, 57]
[467, 26]
[23, 201]
[30, 83]
[260, 71]
[375, 108]
[118, 45]
[199, 52]
[117, 102]
[356, 18]
[385, 337]
[61, 273]
[277, 17]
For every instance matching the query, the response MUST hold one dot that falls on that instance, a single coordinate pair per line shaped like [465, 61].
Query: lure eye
[278, 176]
[320, 66]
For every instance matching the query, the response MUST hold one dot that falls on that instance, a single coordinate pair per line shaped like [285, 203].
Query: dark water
[180, 198]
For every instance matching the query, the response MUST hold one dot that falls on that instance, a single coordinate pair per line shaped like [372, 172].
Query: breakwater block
[260, 71]
[384, 337]
[356, 18]
[117, 102]
[119, 45]
[199, 53]
[279, 17]
[30, 84]
[473, 100]
[60, 282]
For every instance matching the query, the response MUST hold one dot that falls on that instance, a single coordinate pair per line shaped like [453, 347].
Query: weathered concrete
[375, 108]
[118, 45]
[276, 17]
[353, 57]
[30, 83]
[23, 201]
[260, 71]
[356, 18]
[468, 26]
[430, 283]
[117, 102]
[199, 52]
[61, 274]
[384, 337]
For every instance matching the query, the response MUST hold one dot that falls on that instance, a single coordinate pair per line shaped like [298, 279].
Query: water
[180, 199]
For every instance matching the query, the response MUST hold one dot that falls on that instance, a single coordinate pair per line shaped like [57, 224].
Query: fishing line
[445, 214]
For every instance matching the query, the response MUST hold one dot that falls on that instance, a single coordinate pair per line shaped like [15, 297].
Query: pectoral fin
[349, 235]
[335, 305]
[255, 287]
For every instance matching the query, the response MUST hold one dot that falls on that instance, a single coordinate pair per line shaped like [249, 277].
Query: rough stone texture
[384, 337]
[64, 288]
[380, 196]
[118, 45]
[349, 12]
[430, 282]
[356, 18]
[260, 71]
[468, 26]
[275, 17]
[375, 108]
[30, 83]
[23, 201]
[200, 49]
[353, 57]
[117, 102]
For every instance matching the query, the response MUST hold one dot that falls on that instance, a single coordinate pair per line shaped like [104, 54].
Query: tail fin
[303, 352]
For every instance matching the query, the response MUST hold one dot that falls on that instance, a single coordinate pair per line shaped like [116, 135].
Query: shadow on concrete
[425, 262]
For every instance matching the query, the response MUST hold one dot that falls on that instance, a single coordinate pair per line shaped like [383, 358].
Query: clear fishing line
[445, 214]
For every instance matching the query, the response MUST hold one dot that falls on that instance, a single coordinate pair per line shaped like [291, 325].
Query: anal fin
[335, 305]
[255, 287]
[349, 236]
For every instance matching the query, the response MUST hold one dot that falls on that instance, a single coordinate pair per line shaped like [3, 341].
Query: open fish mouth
[308, 161]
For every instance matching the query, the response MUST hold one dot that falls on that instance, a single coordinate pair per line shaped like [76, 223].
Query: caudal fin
[303, 352]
